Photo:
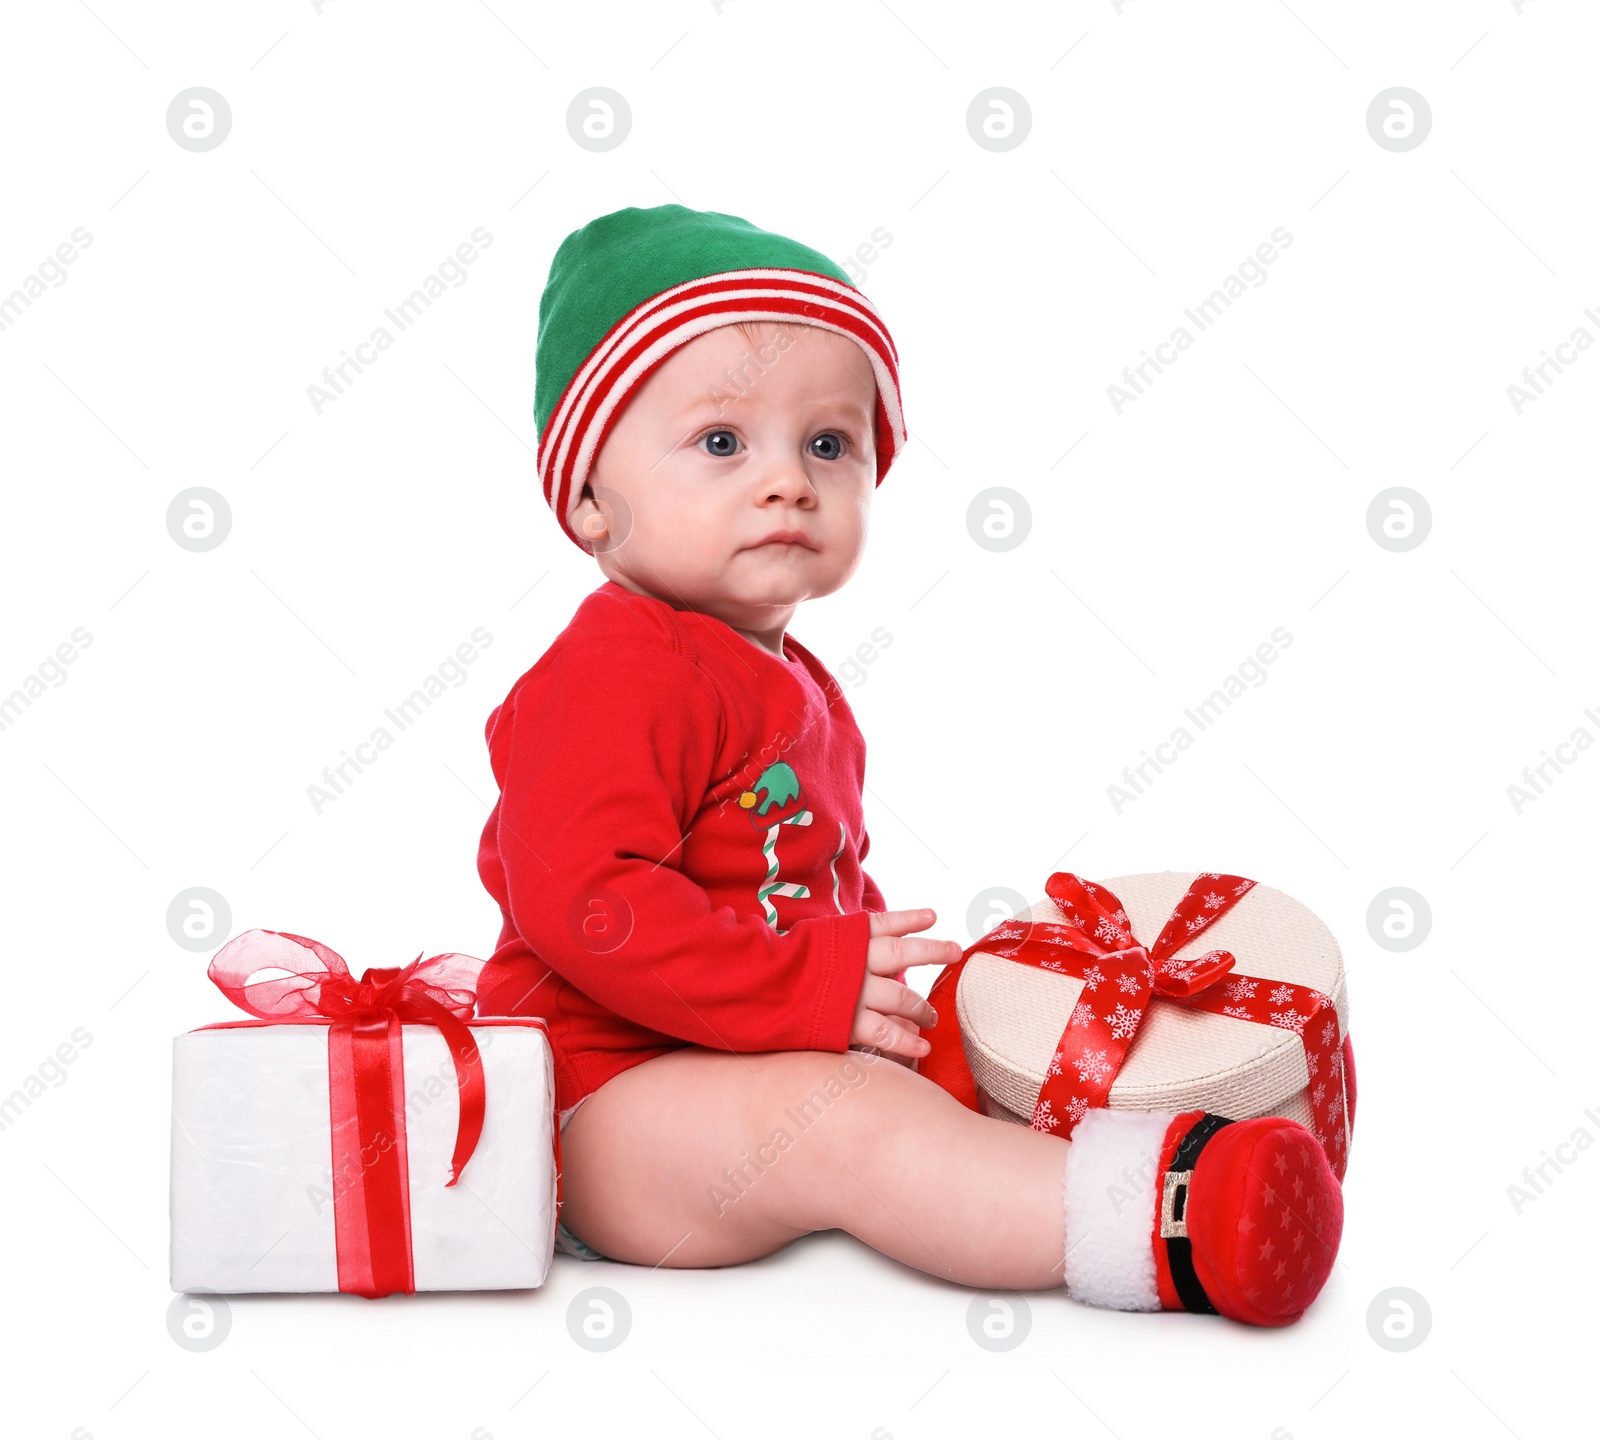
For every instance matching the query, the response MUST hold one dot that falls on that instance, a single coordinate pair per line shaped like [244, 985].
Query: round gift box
[1011, 1016]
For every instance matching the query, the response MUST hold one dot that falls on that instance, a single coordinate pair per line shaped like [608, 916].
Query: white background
[367, 542]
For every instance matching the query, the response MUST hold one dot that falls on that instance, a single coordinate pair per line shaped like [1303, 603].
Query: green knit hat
[630, 287]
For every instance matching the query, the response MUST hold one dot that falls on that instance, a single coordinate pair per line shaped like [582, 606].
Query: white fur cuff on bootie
[1112, 1166]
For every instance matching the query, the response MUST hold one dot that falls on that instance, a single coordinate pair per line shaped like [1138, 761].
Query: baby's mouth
[786, 539]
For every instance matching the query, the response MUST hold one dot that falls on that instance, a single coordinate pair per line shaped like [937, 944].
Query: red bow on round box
[289, 979]
[1123, 982]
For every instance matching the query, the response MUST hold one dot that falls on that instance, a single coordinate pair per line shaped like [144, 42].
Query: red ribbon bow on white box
[288, 979]
[1121, 978]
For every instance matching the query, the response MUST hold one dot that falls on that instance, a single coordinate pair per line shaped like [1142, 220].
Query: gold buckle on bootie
[1174, 1197]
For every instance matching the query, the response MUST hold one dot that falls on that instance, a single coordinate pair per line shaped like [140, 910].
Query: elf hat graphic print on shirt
[775, 797]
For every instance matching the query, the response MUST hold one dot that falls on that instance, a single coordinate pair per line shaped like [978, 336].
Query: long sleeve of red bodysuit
[609, 755]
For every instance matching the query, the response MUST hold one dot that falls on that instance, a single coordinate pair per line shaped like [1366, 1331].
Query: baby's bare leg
[700, 1158]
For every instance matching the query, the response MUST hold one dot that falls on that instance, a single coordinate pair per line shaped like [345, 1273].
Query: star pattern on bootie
[1248, 1218]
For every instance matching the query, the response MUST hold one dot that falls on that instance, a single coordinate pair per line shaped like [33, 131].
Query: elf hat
[630, 287]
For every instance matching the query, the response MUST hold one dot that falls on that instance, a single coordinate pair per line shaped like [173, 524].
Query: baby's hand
[888, 1010]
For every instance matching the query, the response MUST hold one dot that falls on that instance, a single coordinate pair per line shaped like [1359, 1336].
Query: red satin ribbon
[1120, 979]
[284, 977]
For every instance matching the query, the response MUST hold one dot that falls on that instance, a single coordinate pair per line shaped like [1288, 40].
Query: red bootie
[1248, 1218]
[1195, 1212]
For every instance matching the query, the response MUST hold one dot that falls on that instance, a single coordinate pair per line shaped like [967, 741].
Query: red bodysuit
[677, 846]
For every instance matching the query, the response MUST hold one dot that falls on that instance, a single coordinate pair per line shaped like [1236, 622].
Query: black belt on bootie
[1174, 1229]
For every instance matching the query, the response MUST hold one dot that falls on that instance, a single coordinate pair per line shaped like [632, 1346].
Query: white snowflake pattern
[1107, 930]
[1282, 994]
[1329, 1032]
[1237, 1011]
[1054, 1067]
[1312, 1064]
[1121, 917]
[1318, 1093]
[1209, 875]
[1199, 964]
[1055, 965]
[1199, 923]
[1242, 886]
[1043, 1119]
[1077, 1108]
[1318, 999]
[1083, 1014]
[1092, 1066]
[1240, 989]
[1214, 901]
[1092, 977]
[1127, 983]
[1124, 1022]
[1289, 1020]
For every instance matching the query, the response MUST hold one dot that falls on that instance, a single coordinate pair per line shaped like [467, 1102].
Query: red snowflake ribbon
[1121, 978]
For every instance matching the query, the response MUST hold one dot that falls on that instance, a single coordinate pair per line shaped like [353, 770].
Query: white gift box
[253, 1192]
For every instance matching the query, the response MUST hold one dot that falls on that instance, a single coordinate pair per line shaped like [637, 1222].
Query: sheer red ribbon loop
[1121, 978]
[275, 975]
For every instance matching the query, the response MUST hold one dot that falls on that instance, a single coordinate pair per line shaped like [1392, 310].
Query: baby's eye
[833, 446]
[720, 442]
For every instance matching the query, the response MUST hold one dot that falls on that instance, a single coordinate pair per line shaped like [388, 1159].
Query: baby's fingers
[910, 1061]
[890, 997]
[889, 954]
[897, 922]
[880, 1032]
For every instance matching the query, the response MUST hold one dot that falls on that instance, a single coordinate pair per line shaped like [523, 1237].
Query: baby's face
[728, 442]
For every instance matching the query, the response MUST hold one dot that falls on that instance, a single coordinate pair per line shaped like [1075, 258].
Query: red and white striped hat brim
[653, 329]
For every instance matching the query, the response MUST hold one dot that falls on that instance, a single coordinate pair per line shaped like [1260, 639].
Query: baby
[678, 845]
